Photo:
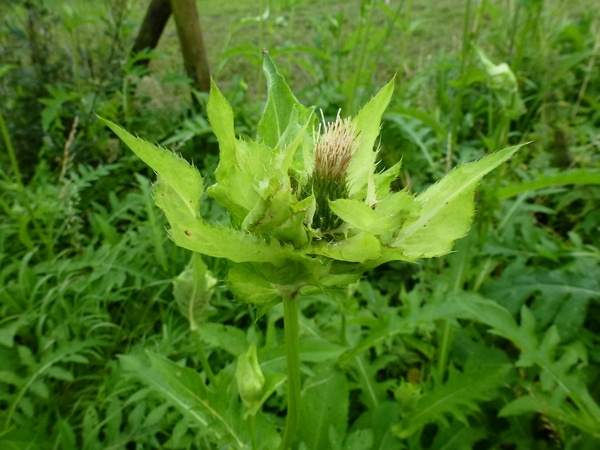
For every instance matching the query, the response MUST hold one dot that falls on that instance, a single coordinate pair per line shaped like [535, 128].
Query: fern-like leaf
[458, 397]
[559, 378]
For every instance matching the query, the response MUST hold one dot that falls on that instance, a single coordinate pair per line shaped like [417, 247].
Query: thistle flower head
[333, 152]
[334, 148]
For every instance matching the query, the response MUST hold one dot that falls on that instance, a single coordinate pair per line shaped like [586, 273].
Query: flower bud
[250, 378]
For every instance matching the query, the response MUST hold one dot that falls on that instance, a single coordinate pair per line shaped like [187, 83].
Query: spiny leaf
[561, 296]
[361, 172]
[458, 437]
[182, 179]
[241, 183]
[220, 116]
[537, 401]
[359, 248]
[178, 193]
[447, 209]
[384, 179]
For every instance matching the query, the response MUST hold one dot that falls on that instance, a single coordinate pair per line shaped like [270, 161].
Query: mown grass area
[491, 346]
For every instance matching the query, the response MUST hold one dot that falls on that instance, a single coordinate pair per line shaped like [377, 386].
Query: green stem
[343, 329]
[444, 351]
[203, 359]
[466, 46]
[292, 351]
[11, 151]
[405, 35]
[253, 439]
[4, 176]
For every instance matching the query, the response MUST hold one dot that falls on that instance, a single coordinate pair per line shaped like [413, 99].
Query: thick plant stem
[292, 350]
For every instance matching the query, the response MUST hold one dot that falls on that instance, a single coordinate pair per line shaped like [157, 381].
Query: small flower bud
[250, 378]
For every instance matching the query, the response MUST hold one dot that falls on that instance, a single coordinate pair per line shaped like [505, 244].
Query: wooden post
[192, 45]
[154, 23]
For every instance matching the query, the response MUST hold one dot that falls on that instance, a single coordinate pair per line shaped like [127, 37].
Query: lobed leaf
[458, 397]
[557, 374]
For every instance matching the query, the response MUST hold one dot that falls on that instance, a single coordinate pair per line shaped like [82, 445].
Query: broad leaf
[249, 286]
[361, 216]
[188, 384]
[575, 177]
[446, 209]
[278, 110]
[324, 404]
[229, 338]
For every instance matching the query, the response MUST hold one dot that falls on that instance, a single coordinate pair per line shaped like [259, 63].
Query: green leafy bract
[281, 106]
[446, 209]
[361, 172]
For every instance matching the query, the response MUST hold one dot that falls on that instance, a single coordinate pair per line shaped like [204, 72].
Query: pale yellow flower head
[334, 148]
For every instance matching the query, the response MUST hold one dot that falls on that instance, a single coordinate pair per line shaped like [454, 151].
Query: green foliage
[253, 178]
[457, 398]
[557, 374]
[192, 290]
[323, 417]
[115, 335]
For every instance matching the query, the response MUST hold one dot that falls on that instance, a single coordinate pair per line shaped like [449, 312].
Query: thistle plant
[308, 210]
